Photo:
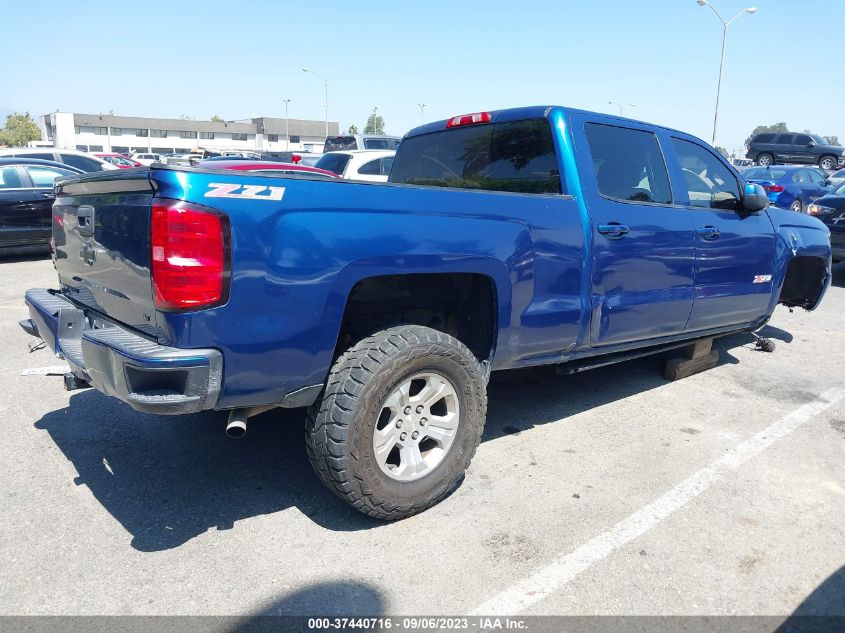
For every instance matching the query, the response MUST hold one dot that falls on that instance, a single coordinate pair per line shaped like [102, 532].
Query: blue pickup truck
[522, 237]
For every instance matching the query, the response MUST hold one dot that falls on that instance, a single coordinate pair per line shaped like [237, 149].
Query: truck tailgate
[101, 227]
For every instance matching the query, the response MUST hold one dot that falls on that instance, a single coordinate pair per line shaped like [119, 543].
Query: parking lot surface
[609, 492]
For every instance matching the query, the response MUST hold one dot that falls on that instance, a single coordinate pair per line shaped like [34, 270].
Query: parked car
[148, 158]
[26, 201]
[788, 147]
[362, 164]
[523, 237]
[360, 141]
[830, 209]
[267, 168]
[183, 159]
[741, 163]
[789, 186]
[240, 154]
[118, 160]
[836, 178]
[72, 157]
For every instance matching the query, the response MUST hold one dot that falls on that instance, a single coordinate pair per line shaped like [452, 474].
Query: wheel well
[460, 304]
[804, 282]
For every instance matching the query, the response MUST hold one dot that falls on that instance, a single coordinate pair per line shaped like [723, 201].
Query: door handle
[613, 230]
[708, 232]
[48, 194]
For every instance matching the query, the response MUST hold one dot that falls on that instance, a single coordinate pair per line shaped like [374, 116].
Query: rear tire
[797, 206]
[360, 405]
[828, 162]
[764, 160]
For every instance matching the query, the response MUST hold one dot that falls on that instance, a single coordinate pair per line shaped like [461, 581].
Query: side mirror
[811, 144]
[754, 198]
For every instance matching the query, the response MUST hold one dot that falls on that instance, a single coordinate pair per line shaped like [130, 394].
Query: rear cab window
[512, 156]
[628, 164]
[335, 163]
[340, 143]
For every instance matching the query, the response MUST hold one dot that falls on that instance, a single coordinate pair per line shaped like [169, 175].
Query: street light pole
[725, 25]
[326, 102]
[422, 112]
[375, 120]
[287, 130]
[619, 105]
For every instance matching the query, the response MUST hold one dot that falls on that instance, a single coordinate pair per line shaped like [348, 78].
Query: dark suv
[788, 147]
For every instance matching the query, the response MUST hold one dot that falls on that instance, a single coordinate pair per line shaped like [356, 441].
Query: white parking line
[567, 567]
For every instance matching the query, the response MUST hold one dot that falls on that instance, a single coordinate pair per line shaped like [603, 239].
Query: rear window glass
[517, 156]
[340, 143]
[45, 177]
[763, 173]
[335, 163]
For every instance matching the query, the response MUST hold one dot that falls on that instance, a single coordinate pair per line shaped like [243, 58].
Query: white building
[112, 133]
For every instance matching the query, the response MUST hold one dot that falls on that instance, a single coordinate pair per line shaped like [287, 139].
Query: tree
[833, 140]
[375, 124]
[760, 129]
[19, 130]
[722, 151]
[353, 129]
[216, 119]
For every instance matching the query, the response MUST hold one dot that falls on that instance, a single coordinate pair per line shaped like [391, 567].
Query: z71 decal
[248, 192]
[762, 279]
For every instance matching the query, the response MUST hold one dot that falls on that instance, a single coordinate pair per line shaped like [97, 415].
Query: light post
[326, 102]
[375, 120]
[422, 112]
[619, 105]
[287, 131]
[725, 25]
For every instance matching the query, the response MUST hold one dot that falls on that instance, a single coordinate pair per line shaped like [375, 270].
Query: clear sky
[240, 58]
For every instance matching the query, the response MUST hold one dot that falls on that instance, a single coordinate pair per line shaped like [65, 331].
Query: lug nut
[419, 409]
[402, 437]
[415, 435]
[407, 410]
[423, 421]
[398, 424]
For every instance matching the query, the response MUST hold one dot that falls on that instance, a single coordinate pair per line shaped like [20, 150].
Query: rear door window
[628, 164]
[376, 143]
[784, 139]
[710, 184]
[373, 168]
[515, 156]
[45, 177]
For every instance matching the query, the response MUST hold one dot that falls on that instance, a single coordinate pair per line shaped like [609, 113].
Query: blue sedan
[789, 186]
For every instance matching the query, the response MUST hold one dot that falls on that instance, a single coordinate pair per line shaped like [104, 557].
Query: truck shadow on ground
[168, 479]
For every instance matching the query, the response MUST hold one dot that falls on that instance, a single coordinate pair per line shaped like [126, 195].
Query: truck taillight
[468, 119]
[190, 253]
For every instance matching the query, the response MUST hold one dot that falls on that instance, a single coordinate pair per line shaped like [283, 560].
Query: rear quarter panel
[294, 262]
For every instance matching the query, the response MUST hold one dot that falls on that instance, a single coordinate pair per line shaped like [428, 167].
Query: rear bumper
[149, 377]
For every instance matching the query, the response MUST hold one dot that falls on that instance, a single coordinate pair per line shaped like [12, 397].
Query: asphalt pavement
[608, 492]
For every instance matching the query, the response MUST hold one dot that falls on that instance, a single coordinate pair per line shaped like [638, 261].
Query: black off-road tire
[339, 427]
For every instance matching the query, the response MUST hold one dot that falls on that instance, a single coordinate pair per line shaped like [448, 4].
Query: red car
[118, 160]
[268, 167]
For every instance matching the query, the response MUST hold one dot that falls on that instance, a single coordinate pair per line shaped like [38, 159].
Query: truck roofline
[536, 112]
